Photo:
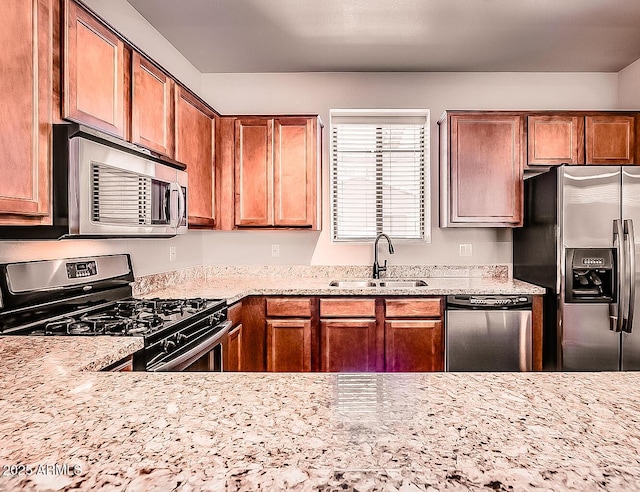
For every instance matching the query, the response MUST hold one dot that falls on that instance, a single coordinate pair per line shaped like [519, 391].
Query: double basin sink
[361, 284]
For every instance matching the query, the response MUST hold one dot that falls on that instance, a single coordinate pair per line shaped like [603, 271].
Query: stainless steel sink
[402, 283]
[361, 284]
[352, 284]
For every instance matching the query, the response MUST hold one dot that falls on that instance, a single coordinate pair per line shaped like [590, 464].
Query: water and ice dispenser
[590, 275]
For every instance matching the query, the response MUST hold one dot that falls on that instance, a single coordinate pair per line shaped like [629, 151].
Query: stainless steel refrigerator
[578, 241]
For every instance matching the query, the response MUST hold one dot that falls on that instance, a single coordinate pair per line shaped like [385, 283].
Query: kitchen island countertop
[223, 431]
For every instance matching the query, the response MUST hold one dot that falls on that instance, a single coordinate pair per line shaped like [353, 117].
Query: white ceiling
[400, 35]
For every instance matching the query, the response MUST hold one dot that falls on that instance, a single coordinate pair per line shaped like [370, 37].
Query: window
[378, 179]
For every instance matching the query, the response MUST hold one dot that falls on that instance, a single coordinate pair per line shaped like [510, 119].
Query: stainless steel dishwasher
[488, 333]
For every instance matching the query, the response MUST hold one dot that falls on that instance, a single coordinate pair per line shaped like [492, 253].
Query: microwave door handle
[631, 273]
[182, 205]
[167, 203]
[174, 218]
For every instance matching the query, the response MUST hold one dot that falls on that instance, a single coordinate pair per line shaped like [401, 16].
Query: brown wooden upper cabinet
[277, 172]
[610, 139]
[579, 138]
[482, 156]
[26, 111]
[195, 140]
[97, 67]
[555, 139]
[152, 106]
[254, 172]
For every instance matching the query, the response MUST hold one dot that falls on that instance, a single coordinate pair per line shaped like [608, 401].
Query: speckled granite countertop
[234, 288]
[244, 431]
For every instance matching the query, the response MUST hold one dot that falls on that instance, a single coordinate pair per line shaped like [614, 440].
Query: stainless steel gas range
[92, 296]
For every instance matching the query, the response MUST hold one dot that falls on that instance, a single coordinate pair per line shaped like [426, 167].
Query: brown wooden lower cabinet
[289, 336]
[345, 334]
[289, 345]
[348, 345]
[414, 345]
[254, 334]
[233, 357]
[234, 350]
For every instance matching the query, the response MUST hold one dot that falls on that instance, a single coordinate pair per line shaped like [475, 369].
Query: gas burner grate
[68, 326]
[142, 317]
[174, 306]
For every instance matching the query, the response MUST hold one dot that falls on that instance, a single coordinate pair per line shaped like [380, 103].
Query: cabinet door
[414, 345]
[234, 350]
[348, 345]
[486, 169]
[151, 107]
[95, 91]
[26, 111]
[254, 334]
[294, 172]
[254, 172]
[610, 139]
[289, 345]
[195, 147]
[555, 140]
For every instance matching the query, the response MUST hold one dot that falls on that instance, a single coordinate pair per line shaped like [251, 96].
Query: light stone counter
[235, 282]
[234, 288]
[197, 431]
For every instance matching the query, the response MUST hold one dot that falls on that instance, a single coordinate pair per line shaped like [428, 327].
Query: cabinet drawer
[414, 308]
[347, 308]
[289, 306]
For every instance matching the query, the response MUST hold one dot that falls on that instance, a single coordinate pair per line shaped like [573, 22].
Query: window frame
[382, 114]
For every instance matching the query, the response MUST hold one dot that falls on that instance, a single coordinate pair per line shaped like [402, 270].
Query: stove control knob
[168, 345]
[180, 338]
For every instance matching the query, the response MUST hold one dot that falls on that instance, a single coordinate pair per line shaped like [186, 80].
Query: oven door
[203, 352]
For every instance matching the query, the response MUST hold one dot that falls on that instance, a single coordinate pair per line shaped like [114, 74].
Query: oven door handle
[195, 352]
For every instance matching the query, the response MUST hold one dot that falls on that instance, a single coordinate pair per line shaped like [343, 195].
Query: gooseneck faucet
[377, 269]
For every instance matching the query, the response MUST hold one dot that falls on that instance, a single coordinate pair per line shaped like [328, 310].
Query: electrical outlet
[172, 253]
[465, 250]
[275, 250]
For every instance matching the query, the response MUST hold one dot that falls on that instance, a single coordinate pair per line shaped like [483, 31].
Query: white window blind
[378, 180]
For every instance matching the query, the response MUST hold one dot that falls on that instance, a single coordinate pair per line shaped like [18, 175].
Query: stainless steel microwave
[105, 187]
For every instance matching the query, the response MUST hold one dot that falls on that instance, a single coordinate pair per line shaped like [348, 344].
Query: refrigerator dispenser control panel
[591, 262]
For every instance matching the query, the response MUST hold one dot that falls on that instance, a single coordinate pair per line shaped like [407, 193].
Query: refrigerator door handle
[630, 243]
[615, 310]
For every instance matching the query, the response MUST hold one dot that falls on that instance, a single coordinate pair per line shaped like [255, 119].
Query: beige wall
[317, 93]
[629, 87]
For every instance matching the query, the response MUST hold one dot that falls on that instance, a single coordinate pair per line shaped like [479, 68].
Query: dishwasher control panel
[488, 301]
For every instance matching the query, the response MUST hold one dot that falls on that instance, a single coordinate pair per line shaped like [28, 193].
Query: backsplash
[210, 273]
